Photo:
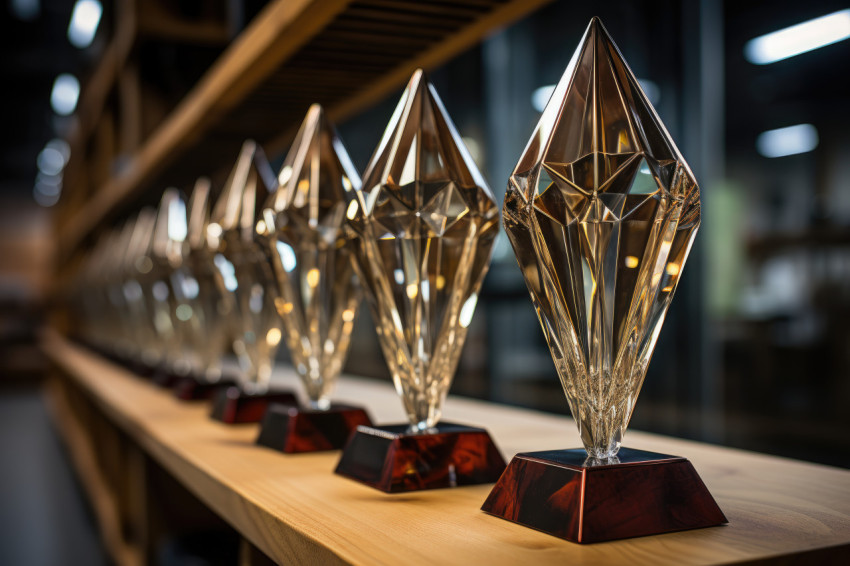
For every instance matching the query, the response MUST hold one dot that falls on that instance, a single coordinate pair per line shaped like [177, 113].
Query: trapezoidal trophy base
[563, 493]
[231, 405]
[392, 460]
[293, 429]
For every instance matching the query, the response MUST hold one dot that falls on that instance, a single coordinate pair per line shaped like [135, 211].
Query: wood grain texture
[294, 509]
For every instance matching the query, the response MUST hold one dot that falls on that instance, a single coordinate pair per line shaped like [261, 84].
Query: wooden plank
[281, 28]
[295, 509]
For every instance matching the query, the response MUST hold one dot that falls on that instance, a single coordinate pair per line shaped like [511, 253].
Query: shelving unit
[344, 54]
[295, 510]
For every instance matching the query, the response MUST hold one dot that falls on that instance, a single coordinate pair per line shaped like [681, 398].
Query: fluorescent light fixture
[799, 38]
[84, 21]
[540, 97]
[66, 92]
[787, 141]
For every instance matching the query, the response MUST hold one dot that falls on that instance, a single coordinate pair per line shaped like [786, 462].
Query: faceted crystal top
[316, 176]
[199, 214]
[249, 185]
[171, 228]
[310, 253]
[426, 223]
[601, 211]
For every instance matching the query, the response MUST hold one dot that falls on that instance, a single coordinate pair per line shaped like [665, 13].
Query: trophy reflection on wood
[601, 211]
[425, 224]
[318, 292]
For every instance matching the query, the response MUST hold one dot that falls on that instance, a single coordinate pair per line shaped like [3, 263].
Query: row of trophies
[601, 211]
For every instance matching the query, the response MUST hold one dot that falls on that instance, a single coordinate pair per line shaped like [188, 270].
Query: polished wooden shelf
[295, 509]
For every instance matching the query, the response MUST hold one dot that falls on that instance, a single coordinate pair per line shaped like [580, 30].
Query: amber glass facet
[311, 254]
[601, 211]
[426, 223]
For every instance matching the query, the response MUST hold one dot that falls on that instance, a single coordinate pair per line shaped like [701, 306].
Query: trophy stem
[421, 428]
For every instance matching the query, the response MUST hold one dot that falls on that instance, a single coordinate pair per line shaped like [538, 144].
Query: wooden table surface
[296, 510]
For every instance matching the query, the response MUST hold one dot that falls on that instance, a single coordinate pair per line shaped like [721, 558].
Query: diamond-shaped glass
[203, 318]
[426, 223]
[243, 270]
[601, 211]
[166, 255]
[311, 254]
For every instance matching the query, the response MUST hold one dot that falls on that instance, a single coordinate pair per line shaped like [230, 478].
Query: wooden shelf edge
[202, 483]
[294, 507]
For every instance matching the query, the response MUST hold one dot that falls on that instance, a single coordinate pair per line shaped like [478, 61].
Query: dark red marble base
[232, 406]
[296, 429]
[191, 389]
[560, 493]
[391, 460]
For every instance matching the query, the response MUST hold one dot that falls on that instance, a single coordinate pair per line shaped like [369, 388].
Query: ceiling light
[799, 38]
[61, 146]
[787, 141]
[50, 161]
[66, 92]
[84, 21]
[46, 194]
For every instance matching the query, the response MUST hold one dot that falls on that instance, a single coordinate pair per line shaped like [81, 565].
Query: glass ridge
[601, 211]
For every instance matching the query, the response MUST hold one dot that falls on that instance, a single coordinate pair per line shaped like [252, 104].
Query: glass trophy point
[425, 223]
[601, 211]
[311, 254]
[243, 270]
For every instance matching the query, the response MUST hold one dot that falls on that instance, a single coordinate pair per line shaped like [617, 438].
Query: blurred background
[755, 352]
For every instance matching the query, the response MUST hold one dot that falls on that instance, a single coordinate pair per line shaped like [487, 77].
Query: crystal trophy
[601, 211]
[201, 311]
[134, 270]
[318, 292]
[165, 256]
[424, 223]
[245, 279]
